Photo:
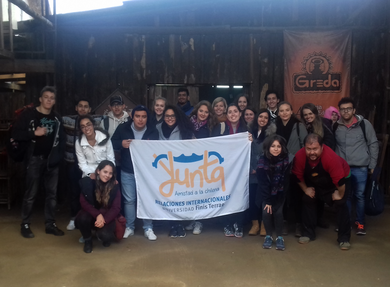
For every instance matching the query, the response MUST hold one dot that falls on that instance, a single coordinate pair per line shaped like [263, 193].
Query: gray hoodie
[352, 146]
[114, 122]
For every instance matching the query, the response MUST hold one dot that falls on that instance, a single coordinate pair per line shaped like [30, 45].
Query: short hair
[183, 90]
[83, 100]
[269, 92]
[312, 138]
[219, 99]
[50, 89]
[270, 140]
[347, 100]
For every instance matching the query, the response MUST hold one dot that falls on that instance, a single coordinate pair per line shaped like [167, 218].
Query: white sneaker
[128, 232]
[198, 226]
[71, 225]
[149, 234]
[191, 226]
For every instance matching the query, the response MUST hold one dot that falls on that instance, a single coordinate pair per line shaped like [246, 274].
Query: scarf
[276, 170]
[231, 131]
[186, 107]
[197, 125]
[167, 130]
[285, 130]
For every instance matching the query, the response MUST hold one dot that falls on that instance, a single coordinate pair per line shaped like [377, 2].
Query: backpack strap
[335, 126]
[363, 127]
[106, 122]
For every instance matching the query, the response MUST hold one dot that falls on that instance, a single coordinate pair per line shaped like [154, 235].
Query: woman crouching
[272, 170]
[100, 205]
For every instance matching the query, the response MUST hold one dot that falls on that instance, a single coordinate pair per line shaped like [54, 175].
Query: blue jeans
[130, 198]
[358, 180]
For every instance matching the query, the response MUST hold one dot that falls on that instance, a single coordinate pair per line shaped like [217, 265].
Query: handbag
[120, 226]
[375, 201]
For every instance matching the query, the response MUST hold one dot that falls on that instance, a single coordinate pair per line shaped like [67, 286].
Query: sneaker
[191, 226]
[26, 231]
[298, 230]
[128, 232]
[88, 246]
[81, 240]
[173, 232]
[180, 231]
[53, 229]
[238, 231]
[149, 234]
[360, 229]
[198, 226]
[71, 225]
[280, 243]
[228, 230]
[345, 245]
[304, 239]
[267, 242]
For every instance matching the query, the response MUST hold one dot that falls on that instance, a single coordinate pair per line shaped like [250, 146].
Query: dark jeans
[309, 212]
[254, 211]
[277, 216]
[86, 222]
[74, 175]
[37, 168]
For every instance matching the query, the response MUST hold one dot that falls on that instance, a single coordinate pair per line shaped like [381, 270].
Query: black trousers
[276, 217]
[36, 169]
[74, 175]
[86, 222]
[309, 212]
[254, 211]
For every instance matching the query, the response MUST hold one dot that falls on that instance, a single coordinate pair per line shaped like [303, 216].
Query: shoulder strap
[335, 126]
[223, 128]
[298, 130]
[363, 127]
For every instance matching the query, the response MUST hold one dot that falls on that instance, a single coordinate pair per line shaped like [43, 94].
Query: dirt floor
[209, 259]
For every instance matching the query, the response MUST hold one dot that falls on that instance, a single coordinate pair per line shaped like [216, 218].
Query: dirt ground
[208, 259]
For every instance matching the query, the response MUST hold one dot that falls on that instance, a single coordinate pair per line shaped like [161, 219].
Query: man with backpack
[42, 129]
[116, 116]
[356, 142]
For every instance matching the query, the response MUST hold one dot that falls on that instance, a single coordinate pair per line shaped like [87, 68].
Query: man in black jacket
[42, 128]
[138, 128]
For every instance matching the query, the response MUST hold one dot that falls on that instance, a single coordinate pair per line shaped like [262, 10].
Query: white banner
[191, 179]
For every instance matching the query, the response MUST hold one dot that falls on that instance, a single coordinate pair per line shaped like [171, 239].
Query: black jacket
[24, 129]
[125, 132]
[204, 131]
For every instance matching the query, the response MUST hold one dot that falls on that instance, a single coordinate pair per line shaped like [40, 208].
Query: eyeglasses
[86, 126]
[169, 116]
[346, 110]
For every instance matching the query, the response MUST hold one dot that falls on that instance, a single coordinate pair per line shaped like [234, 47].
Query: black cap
[116, 99]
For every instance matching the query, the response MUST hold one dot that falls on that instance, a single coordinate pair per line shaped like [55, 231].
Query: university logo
[316, 75]
[208, 171]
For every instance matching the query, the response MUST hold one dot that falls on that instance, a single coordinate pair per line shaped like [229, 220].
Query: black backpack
[17, 149]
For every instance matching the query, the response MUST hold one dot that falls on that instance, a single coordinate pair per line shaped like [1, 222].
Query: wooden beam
[13, 77]
[27, 66]
[23, 6]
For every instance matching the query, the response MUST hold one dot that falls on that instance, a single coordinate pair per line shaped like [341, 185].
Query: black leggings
[277, 216]
[86, 222]
[254, 212]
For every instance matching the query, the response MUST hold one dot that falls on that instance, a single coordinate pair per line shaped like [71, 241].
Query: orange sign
[317, 68]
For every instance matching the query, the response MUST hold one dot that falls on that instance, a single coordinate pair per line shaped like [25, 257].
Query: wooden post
[1, 26]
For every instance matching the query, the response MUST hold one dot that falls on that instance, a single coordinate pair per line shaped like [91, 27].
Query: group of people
[296, 165]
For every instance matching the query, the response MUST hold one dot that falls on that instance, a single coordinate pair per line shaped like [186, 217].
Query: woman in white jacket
[92, 147]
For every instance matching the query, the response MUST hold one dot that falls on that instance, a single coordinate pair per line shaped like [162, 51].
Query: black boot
[88, 246]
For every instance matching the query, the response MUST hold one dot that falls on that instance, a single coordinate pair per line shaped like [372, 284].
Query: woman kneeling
[100, 205]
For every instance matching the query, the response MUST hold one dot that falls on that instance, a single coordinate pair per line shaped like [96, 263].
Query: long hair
[246, 96]
[90, 118]
[317, 123]
[268, 143]
[250, 109]
[255, 125]
[212, 120]
[103, 189]
[217, 100]
[241, 120]
[185, 126]
[293, 116]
